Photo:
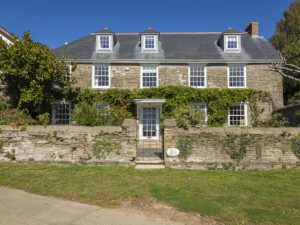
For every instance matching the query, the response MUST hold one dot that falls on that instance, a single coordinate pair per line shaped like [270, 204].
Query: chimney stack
[252, 29]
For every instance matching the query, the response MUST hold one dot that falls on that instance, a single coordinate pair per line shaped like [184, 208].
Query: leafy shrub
[275, 120]
[86, 114]
[295, 98]
[14, 117]
[44, 119]
[184, 145]
[11, 155]
[187, 116]
[117, 115]
[296, 145]
[4, 104]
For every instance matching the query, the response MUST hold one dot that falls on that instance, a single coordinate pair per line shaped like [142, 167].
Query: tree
[287, 40]
[33, 77]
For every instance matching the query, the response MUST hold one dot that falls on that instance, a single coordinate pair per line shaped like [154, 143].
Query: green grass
[233, 197]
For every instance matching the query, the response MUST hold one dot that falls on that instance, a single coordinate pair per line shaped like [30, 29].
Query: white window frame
[93, 77]
[205, 75]
[238, 44]
[141, 74]
[68, 77]
[195, 104]
[157, 111]
[110, 42]
[245, 75]
[245, 115]
[143, 45]
[53, 121]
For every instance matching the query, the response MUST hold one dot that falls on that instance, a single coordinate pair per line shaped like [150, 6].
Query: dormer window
[149, 40]
[232, 42]
[104, 42]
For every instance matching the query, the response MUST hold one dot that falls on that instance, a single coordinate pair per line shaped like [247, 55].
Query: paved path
[21, 208]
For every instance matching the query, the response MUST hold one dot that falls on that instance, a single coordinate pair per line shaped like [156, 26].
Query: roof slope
[177, 47]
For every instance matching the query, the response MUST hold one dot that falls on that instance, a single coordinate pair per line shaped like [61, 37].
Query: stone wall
[259, 77]
[71, 144]
[266, 148]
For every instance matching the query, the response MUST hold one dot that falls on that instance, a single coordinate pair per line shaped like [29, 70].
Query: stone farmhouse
[5, 35]
[229, 59]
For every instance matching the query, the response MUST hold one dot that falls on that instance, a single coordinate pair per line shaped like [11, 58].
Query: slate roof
[104, 31]
[172, 47]
[150, 31]
[229, 30]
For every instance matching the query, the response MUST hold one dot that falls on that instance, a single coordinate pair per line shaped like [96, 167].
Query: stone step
[149, 145]
[149, 166]
[149, 161]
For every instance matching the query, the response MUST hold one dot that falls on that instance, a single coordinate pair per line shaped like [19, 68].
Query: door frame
[157, 119]
[148, 103]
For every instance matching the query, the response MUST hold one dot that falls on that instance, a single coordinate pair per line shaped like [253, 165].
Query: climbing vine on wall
[218, 100]
[237, 145]
[296, 145]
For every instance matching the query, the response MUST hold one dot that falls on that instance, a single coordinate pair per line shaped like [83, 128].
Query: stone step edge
[150, 162]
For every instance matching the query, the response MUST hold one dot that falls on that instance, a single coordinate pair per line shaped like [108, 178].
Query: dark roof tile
[173, 46]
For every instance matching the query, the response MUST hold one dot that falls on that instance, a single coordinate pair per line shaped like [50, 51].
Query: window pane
[197, 76]
[149, 122]
[237, 115]
[101, 76]
[236, 76]
[149, 42]
[61, 113]
[149, 78]
[104, 42]
[232, 42]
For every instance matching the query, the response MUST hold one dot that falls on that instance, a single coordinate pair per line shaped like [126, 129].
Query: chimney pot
[252, 29]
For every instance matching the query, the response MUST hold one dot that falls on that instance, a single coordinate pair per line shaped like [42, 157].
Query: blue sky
[53, 22]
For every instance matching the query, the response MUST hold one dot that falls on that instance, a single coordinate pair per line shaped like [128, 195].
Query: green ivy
[104, 147]
[237, 146]
[218, 100]
[296, 145]
[184, 145]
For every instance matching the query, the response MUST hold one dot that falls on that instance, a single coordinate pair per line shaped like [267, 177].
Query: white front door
[149, 123]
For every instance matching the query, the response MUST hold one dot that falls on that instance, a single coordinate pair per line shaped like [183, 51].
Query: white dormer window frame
[104, 42]
[232, 43]
[149, 42]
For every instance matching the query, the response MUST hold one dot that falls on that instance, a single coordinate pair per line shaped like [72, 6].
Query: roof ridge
[136, 33]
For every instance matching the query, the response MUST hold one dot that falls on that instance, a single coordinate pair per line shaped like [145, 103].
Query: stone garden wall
[230, 148]
[199, 148]
[70, 144]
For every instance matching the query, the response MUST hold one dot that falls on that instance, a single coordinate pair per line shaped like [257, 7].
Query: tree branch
[283, 66]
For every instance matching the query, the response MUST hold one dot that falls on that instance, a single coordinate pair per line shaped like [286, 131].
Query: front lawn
[233, 197]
